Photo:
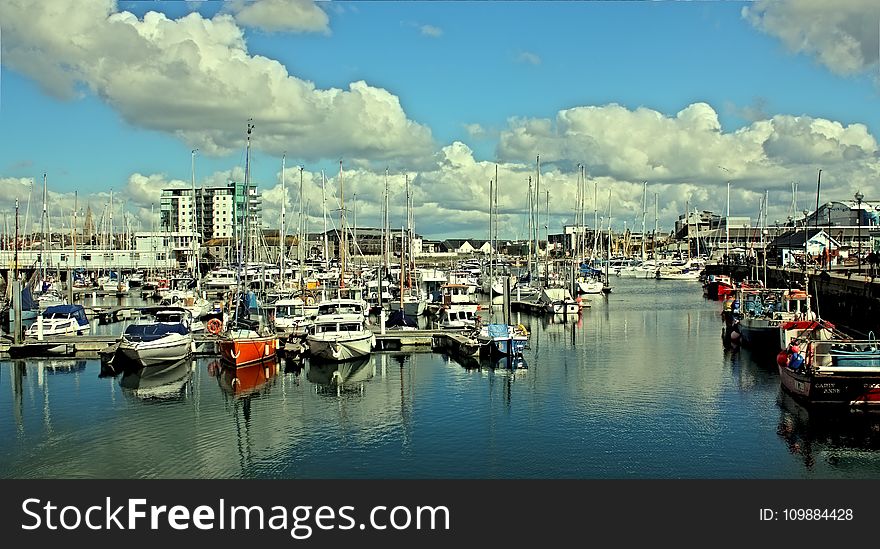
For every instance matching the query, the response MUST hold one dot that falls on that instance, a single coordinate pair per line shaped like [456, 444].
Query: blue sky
[452, 65]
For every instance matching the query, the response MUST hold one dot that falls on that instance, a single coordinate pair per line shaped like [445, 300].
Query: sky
[691, 97]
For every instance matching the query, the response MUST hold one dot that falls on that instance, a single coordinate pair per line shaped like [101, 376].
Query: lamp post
[806, 240]
[859, 196]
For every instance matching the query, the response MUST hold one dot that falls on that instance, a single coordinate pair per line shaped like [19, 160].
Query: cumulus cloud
[843, 35]
[529, 58]
[432, 31]
[280, 15]
[194, 78]
[681, 155]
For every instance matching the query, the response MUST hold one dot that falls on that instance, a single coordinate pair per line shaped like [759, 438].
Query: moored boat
[168, 338]
[60, 320]
[340, 337]
[831, 371]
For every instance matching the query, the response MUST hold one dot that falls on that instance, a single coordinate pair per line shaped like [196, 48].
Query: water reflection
[836, 436]
[341, 376]
[493, 363]
[166, 381]
[242, 381]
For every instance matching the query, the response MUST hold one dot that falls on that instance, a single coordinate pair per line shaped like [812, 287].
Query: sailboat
[242, 344]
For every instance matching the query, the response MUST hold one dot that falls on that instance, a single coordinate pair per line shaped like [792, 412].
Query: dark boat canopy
[150, 332]
[63, 311]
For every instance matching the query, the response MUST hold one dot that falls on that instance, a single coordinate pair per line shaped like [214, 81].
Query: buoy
[782, 358]
[214, 326]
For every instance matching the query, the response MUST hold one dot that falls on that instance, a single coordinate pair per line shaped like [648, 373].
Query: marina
[637, 386]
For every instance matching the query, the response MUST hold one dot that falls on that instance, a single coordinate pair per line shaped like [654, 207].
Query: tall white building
[214, 212]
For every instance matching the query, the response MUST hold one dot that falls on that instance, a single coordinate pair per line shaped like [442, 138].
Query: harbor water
[638, 386]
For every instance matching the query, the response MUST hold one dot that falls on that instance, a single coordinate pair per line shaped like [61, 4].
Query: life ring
[214, 326]
[522, 329]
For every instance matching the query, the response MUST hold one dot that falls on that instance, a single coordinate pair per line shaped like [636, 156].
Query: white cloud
[432, 31]
[194, 78]
[280, 15]
[843, 35]
[680, 155]
[475, 131]
[529, 57]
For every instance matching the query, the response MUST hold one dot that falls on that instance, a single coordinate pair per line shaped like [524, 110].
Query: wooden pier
[96, 346]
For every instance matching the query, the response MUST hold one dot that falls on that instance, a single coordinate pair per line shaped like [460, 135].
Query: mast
[654, 237]
[342, 239]
[529, 236]
[282, 234]
[242, 255]
[687, 221]
[536, 202]
[608, 259]
[196, 232]
[386, 227]
[324, 214]
[727, 224]
[408, 246]
[491, 266]
[596, 217]
[73, 233]
[302, 237]
[644, 214]
[547, 241]
[110, 231]
[43, 230]
[15, 267]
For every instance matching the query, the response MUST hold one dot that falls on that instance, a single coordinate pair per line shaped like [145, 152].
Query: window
[87, 257]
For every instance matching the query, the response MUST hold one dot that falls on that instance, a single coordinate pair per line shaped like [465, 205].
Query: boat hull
[760, 335]
[171, 348]
[336, 347]
[248, 350]
[839, 388]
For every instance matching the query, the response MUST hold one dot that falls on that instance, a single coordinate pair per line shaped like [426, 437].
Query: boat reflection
[494, 363]
[244, 380]
[341, 376]
[163, 381]
[836, 435]
[61, 366]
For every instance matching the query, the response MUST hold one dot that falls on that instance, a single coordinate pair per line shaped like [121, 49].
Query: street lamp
[859, 196]
[806, 239]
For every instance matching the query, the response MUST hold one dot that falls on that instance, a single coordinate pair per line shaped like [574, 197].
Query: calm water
[639, 387]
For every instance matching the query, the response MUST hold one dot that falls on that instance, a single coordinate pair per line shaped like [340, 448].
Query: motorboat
[167, 338]
[60, 320]
[338, 337]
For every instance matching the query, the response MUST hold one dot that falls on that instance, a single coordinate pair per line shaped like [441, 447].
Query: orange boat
[244, 347]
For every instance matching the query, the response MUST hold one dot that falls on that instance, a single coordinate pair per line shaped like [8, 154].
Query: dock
[96, 346]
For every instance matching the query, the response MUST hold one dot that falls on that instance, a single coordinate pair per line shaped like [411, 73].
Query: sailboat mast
[196, 232]
[342, 239]
[386, 230]
[282, 232]
[302, 235]
[529, 236]
[654, 238]
[44, 229]
[547, 240]
[324, 214]
[644, 214]
[409, 236]
[536, 202]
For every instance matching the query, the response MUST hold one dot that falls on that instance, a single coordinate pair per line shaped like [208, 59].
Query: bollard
[40, 327]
